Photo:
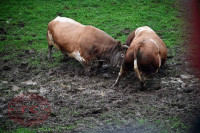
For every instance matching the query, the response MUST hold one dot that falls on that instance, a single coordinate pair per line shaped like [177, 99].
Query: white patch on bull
[155, 44]
[76, 55]
[140, 29]
[137, 70]
[135, 64]
[64, 19]
[159, 60]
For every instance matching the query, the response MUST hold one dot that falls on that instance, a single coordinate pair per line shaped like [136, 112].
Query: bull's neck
[111, 52]
[114, 55]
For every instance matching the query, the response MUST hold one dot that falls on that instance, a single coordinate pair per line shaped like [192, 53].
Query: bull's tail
[138, 54]
[50, 44]
[159, 62]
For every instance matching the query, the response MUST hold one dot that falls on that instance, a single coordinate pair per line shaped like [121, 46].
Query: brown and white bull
[146, 54]
[83, 42]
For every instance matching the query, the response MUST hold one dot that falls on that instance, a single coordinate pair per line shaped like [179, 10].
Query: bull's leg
[97, 67]
[142, 86]
[142, 80]
[50, 52]
[121, 73]
[50, 44]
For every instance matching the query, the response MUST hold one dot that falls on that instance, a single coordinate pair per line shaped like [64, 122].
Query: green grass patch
[41, 129]
[56, 129]
[174, 124]
[142, 121]
[20, 130]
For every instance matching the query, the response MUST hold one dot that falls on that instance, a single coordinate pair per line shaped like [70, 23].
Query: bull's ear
[119, 43]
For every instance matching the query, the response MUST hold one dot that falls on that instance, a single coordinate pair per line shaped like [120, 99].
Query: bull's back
[65, 33]
[93, 34]
[95, 41]
[148, 49]
[162, 47]
[152, 39]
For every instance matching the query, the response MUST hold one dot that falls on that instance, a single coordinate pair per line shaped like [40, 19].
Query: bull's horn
[125, 46]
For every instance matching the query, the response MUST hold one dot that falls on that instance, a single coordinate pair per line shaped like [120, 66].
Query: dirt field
[86, 102]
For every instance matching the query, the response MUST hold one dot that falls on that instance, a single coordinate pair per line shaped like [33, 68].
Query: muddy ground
[86, 102]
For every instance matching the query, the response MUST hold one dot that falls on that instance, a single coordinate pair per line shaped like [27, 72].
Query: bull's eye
[122, 55]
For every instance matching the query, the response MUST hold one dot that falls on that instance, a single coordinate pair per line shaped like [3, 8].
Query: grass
[20, 130]
[174, 124]
[41, 129]
[24, 23]
[165, 125]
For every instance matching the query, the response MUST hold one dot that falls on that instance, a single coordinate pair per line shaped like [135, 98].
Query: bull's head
[118, 54]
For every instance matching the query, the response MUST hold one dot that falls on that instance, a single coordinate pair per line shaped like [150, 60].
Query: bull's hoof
[142, 83]
[142, 86]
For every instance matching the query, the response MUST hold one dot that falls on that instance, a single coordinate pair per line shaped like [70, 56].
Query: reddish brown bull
[146, 53]
[84, 43]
